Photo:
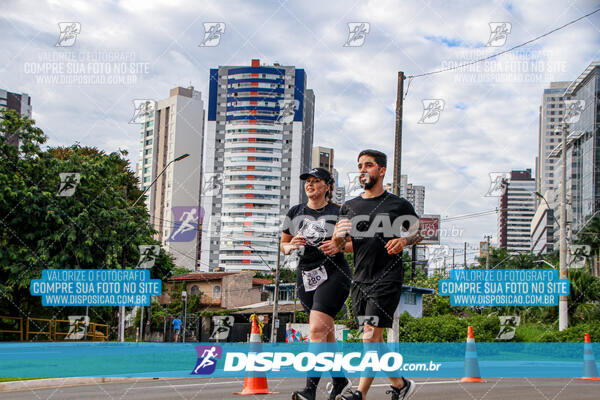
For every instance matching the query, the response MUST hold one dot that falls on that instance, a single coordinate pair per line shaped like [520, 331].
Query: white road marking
[194, 384]
[418, 383]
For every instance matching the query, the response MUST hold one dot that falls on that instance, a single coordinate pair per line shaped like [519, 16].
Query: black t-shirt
[316, 227]
[374, 222]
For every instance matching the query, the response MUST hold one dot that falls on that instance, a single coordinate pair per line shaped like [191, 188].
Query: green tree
[502, 259]
[96, 227]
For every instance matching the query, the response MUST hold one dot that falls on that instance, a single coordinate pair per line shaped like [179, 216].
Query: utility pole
[487, 253]
[398, 135]
[563, 316]
[465, 256]
[453, 258]
[276, 295]
[142, 324]
[122, 308]
[414, 263]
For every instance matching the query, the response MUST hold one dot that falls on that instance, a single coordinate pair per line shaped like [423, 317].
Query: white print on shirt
[314, 232]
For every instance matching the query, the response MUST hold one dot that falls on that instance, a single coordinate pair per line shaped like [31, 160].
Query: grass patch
[531, 333]
[13, 379]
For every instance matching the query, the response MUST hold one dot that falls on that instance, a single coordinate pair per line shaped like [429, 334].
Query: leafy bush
[573, 334]
[301, 317]
[447, 328]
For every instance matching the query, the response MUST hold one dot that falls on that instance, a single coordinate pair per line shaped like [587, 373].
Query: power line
[473, 215]
[505, 51]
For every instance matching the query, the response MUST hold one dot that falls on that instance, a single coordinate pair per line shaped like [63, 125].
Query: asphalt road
[223, 388]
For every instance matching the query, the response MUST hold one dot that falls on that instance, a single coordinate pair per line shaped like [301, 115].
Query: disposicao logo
[321, 362]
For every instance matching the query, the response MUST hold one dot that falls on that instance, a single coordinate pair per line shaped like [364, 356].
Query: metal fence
[43, 329]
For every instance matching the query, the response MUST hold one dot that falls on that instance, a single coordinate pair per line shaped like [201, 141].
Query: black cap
[320, 173]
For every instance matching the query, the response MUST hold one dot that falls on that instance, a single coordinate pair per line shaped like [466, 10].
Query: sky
[83, 90]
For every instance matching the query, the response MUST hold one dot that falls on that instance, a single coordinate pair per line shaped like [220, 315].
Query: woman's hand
[329, 248]
[297, 242]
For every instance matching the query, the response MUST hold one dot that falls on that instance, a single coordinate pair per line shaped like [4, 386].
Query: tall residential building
[517, 207]
[550, 119]
[322, 157]
[583, 151]
[20, 102]
[339, 191]
[259, 139]
[403, 186]
[415, 194]
[542, 230]
[170, 128]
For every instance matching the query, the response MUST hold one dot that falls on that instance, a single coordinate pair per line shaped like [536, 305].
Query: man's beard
[369, 182]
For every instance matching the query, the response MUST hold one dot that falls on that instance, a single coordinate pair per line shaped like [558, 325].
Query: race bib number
[313, 278]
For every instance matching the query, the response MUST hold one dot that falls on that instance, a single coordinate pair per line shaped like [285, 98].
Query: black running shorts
[379, 299]
[330, 296]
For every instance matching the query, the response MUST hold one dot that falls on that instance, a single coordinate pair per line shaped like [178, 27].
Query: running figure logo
[143, 108]
[573, 110]
[212, 184]
[372, 320]
[223, 325]
[287, 111]
[68, 183]
[498, 33]
[354, 187]
[436, 256]
[212, 34]
[432, 109]
[78, 326]
[68, 33]
[496, 179]
[148, 254]
[207, 359]
[357, 33]
[187, 220]
[508, 327]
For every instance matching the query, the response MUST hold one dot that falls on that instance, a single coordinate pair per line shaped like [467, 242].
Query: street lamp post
[538, 194]
[563, 316]
[545, 262]
[184, 298]
[158, 176]
[122, 308]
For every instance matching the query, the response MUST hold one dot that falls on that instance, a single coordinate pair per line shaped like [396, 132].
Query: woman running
[323, 275]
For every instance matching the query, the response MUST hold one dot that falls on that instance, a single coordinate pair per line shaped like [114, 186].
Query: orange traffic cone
[471, 373]
[255, 384]
[590, 371]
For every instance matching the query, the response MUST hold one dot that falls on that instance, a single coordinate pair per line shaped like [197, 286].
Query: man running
[380, 218]
[176, 328]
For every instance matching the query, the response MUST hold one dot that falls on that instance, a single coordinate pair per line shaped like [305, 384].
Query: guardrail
[29, 332]
[20, 331]
[31, 329]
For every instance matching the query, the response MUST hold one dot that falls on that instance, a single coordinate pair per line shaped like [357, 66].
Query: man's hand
[341, 233]
[329, 248]
[395, 246]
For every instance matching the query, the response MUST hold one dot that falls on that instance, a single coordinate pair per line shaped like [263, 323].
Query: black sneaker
[337, 389]
[305, 394]
[404, 392]
[349, 394]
